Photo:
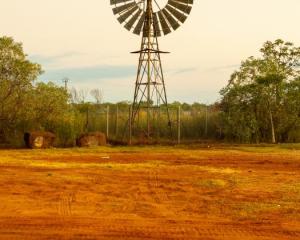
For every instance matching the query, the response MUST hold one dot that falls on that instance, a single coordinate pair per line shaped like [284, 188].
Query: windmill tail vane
[150, 89]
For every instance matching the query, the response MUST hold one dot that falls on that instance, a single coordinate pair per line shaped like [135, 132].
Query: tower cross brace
[150, 90]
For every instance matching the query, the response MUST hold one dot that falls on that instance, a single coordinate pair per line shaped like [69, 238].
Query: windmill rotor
[151, 19]
[132, 13]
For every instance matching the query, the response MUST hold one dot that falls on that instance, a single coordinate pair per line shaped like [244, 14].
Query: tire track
[65, 203]
[116, 230]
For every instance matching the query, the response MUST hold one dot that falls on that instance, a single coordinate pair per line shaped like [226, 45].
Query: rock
[93, 139]
[38, 140]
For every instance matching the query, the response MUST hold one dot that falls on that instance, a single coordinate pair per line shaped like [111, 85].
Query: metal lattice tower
[150, 89]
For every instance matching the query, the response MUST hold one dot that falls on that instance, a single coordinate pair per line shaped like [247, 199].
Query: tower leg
[150, 90]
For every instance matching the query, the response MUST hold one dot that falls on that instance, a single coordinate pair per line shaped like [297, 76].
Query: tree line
[261, 102]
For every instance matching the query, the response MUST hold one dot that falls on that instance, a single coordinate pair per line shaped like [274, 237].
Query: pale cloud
[184, 70]
[222, 68]
[74, 37]
[89, 74]
[51, 61]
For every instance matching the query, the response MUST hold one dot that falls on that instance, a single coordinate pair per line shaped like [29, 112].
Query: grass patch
[187, 151]
[131, 166]
[9, 161]
[228, 171]
[267, 148]
[211, 183]
[252, 210]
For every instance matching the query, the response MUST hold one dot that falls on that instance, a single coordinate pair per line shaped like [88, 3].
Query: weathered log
[38, 140]
[93, 139]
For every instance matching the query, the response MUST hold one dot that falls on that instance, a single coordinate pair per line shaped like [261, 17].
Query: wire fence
[184, 125]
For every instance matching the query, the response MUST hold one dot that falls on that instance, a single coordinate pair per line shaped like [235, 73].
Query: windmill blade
[180, 16]
[156, 25]
[127, 14]
[135, 17]
[138, 28]
[171, 20]
[122, 8]
[186, 1]
[165, 27]
[114, 2]
[182, 7]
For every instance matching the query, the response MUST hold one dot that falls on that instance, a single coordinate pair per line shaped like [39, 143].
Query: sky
[82, 40]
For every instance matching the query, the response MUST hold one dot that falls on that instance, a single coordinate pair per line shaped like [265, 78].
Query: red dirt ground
[150, 193]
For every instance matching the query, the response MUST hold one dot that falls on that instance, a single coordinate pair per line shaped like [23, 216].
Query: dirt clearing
[150, 193]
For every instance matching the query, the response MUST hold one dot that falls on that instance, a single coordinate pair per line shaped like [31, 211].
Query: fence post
[107, 122]
[179, 125]
[206, 121]
[130, 125]
[87, 118]
[117, 121]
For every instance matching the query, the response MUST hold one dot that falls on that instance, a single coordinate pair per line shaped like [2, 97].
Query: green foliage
[48, 104]
[16, 82]
[261, 101]
[24, 104]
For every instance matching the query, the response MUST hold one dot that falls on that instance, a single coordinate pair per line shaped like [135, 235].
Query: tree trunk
[272, 127]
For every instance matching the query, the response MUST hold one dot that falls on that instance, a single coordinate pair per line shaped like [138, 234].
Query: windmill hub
[151, 19]
[157, 5]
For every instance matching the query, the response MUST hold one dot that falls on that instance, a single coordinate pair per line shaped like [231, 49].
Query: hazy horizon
[84, 42]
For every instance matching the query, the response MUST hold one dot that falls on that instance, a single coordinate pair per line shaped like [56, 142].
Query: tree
[256, 100]
[97, 95]
[48, 103]
[17, 75]
[78, 96]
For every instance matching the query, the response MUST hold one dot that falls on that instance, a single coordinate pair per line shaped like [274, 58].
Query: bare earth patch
[150, 193]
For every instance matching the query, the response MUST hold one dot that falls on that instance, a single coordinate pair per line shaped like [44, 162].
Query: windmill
[150, 20]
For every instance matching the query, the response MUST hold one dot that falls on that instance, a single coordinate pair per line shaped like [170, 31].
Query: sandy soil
[150, 193]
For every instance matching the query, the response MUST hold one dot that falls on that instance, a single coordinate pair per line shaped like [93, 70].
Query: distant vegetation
[261, 103]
